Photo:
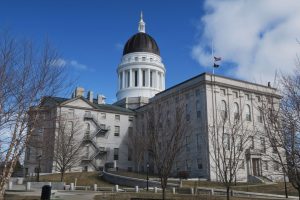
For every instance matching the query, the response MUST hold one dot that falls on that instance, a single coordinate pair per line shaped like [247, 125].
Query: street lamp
[39, 168]
[147, 176]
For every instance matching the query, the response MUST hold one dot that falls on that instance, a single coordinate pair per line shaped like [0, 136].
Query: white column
[156, 80]
[140, 78]
[148, 74]
[130, 78]
[123, 81]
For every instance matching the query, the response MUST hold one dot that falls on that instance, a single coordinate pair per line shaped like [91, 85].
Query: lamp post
[39, 168]
[147, 176]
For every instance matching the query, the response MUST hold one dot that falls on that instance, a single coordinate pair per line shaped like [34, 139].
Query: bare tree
[26, 74]
[166, 134]
[137, 145]
[67, 144]
[229, 140]
[282, 125]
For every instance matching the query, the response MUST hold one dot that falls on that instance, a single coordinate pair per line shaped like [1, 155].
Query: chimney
[79, 91]
[269, 84]
[90, 96]
[101, 99]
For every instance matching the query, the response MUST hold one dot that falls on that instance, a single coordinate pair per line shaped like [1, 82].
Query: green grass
[83, 178]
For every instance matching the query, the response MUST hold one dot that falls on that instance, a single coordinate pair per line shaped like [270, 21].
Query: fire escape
[101, 131]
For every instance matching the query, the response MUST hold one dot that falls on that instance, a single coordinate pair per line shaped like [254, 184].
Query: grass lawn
[128, 196]
[134, 174]
[83, 178]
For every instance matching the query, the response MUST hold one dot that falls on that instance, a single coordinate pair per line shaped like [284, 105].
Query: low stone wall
[131, 182]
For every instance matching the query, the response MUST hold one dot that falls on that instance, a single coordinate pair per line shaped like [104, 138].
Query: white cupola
[141, 72]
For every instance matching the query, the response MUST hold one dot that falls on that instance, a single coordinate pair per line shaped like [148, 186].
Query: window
[242, 165]
[223, 110]
[251, 140]
[197, 92]
[240, 143]
[136, 58]
[128, 78]
[70, 113]
[144, 78]
[226, 141]
[102, 126]
[235, 94]
[151, 59]
[143, 58]
[247, 96]
[223, 92]
[188, 165]
[248, 113]
[260, 116]
[117, 130]
[258, 98]
[198, 109]
[263, 144]
[129, 154]
[103, 115]
[273, 145]
[117, 117]
[187, 141]
[130, 131]
[236, 111]
[130, 118]
[199, 162]
[28, 153]
[276, 166]
[266, 167]
[88, 128]
[87, 151]
[187, 112]
[116, 154]
[187, 96]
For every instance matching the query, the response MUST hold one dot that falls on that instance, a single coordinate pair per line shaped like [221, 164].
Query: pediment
[80, 103]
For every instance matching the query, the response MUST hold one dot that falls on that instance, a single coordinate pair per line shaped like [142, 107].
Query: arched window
[248, 113]
[236, 111]
[223, 110]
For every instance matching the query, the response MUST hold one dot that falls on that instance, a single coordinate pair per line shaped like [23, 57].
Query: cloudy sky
[255, 38]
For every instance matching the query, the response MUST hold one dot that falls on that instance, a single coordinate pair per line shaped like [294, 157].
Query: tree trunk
[62, 174]
[227, 193]
[163, 193]
[285, 188]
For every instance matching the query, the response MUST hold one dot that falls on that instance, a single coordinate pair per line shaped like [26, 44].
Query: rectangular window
[136, 58]
[70, 113]
[117, 130]
[117, 117]
[144, 78]
[258, 98]
[103, 115]
[251, 140]
[130, 118]
[188, 165]
[197, 92]
[276, 166]
[223, 92]
[198, 109]
[199, 162]
[235, 94]
[266, 167]
[116, 154]
[143, 58]
[260, 117]
[226, 141]
[247, 96]
[151, 59]
[263, 144]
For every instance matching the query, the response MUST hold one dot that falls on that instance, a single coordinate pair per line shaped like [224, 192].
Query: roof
[102, 107]
[141, 42]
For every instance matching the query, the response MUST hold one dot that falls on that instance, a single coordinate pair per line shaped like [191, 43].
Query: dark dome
[141, 42]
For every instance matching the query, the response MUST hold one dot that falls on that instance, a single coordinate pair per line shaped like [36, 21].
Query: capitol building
[104, 128]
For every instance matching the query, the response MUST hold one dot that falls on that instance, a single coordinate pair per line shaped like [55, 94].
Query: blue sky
[90, 35]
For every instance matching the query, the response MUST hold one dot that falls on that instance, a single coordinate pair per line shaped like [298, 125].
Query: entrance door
[255, 166]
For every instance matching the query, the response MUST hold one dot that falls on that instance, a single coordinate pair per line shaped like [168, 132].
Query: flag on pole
[216, 61]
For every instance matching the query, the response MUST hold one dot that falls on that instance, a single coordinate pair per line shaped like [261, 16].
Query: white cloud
[69, 63]
[259, 36]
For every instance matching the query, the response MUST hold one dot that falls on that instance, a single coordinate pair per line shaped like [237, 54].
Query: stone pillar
[72, 186]
[155, 189]
[140, 78]
[123, 81]
[156, 80]
[148, 75]
[116, 188]
[136, 189]
[10, 185]
[130, 78]
[174, 190]
[95, 187]
[28, 186]
[192, 191]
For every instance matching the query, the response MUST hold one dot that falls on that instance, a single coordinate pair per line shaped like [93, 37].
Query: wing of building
[104, 129]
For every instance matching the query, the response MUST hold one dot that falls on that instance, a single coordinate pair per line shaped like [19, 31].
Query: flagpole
[212, 55]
